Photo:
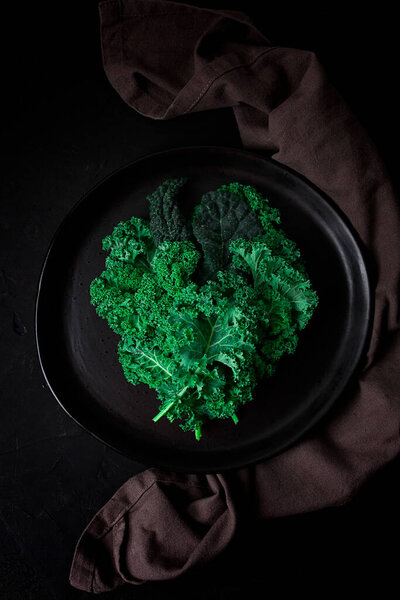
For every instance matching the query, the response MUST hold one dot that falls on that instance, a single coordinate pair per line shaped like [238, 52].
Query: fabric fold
[155, 527]
[166, 59]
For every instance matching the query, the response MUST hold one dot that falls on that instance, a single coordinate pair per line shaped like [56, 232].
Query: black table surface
[64, 129]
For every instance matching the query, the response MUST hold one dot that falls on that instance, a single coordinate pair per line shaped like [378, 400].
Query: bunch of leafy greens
[207, 308]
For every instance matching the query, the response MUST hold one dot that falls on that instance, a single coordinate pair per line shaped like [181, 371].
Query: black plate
[77, 350]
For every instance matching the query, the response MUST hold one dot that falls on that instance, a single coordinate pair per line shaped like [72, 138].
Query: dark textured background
[64, 129]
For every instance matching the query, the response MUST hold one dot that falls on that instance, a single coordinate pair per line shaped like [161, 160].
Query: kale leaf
[220, 218]
[167, 224]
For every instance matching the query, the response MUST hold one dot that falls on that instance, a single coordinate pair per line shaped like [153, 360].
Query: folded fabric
[166, 59]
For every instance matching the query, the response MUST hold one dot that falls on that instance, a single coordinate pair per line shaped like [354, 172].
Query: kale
[167, 224]
[203, 315]
[221, 217]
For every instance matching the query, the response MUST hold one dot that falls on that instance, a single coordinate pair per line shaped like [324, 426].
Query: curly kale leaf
[173, 263]
[220, 218]
[202, 366]
[287, 292]
[214, 338]
[167, 224]
[285, 299]
[130, 240]
[131, 249]
[134, 296]
[151, 366]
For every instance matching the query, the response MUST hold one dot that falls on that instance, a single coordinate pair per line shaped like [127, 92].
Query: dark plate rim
[319, 414]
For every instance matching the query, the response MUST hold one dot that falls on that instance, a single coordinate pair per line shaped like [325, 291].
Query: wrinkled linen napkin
[166, 59]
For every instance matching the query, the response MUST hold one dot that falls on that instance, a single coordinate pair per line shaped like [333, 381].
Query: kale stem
[198, 432]
[235, 419]
[163, 411]
[183, 390]
[166, 408]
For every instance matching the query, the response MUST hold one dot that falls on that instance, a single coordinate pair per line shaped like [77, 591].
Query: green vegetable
[206, 310]
[166, 221]
[220, 218]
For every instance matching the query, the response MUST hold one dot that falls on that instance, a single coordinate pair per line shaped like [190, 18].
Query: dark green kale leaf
[221, 218]
[269, 217]
[167, 224]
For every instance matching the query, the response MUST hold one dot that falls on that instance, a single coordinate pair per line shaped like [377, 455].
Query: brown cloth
[166, 59]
